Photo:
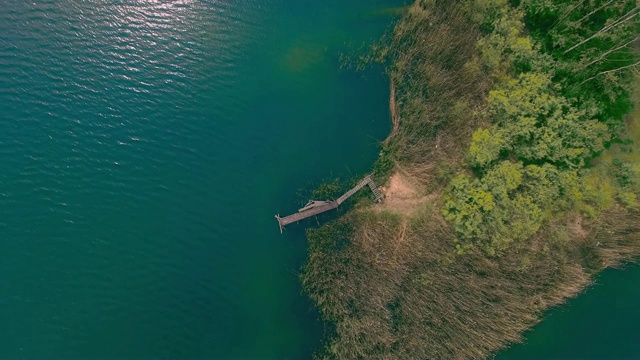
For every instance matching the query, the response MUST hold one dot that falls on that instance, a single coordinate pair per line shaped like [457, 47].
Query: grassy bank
[511, 172]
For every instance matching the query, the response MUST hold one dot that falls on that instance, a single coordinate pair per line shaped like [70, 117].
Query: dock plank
[329, 205]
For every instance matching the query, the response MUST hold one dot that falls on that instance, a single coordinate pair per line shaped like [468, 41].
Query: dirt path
[402, 196]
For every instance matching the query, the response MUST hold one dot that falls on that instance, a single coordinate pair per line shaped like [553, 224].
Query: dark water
[602, 323]
[145, 147]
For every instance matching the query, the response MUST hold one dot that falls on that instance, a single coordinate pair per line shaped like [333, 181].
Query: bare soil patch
[578, 229]
[402, 195]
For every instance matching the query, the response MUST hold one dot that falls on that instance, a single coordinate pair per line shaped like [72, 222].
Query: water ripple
[102, 143]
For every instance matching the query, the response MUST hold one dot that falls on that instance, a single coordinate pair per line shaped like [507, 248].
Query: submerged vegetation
[510, 119]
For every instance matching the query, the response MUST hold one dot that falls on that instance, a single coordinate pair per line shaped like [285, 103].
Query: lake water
[145, 147]
[601, 323]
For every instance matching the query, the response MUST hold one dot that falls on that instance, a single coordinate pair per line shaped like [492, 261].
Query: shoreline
[390, 279]
[393, 112]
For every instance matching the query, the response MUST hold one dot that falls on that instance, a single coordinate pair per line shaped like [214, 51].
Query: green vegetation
[511, 116]
[540, 134]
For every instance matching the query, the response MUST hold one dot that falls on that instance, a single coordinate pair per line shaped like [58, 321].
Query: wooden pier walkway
[315, 207]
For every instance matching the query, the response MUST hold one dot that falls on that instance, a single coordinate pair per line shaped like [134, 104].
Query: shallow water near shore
[601, 323]
[145, 149]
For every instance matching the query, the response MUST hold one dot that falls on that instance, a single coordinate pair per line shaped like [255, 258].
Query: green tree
[591, 41]
[538, 125]
[495, 210]
[486, 146]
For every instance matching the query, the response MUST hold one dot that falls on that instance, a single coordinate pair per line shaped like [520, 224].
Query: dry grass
[387, 278]
[437, 85]
[395, 290]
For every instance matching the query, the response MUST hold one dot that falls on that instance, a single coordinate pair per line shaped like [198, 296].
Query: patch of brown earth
[578, 229]
[401, 195]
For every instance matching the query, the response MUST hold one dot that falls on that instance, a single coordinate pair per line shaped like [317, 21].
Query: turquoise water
[602, 323]
[145, 147]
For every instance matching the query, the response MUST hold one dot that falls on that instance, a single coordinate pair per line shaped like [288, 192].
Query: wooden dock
[315, 207]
